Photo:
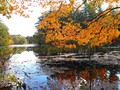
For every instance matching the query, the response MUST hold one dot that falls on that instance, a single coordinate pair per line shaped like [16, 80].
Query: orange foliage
[70, 75]
[13, 6]
[101, 30]
[94, 74]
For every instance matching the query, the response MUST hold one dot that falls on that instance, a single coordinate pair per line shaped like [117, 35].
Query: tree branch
[78, 8]
[100, 15]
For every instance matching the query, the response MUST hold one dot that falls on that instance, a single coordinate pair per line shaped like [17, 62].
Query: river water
[26, 64]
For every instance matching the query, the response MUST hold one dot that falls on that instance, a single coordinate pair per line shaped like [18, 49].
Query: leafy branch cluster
[85, 24]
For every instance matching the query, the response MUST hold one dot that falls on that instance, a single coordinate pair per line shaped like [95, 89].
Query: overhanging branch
[100, 15]
[78, 8]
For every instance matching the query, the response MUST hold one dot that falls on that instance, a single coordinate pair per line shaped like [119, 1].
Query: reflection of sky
[23, 57]
[118, 75]
[25, 45]
[25, 67]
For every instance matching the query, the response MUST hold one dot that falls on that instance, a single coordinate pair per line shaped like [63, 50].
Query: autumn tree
[62, 23]
[98, 28]
[5, 38]
[21, 7]
[8, 7]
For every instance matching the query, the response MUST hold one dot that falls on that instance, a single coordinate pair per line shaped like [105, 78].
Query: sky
[20, 25]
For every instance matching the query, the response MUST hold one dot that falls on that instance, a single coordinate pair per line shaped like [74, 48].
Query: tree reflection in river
[39, 75]
[101, 78]
[5, 53]
[6, 79]
[19, 50]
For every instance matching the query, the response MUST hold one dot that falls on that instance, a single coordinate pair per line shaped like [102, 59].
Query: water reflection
[19, 50]
[5, 54]
[24, 66]
[24, 45]
[38, 75]
[98, 77]
[6, 79]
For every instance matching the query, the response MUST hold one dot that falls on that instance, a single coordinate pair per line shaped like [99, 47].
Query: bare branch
[78, 8]
[100, 15]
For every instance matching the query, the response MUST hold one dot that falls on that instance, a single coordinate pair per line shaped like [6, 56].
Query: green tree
[18, 39]
[5, 38]
[29, 39]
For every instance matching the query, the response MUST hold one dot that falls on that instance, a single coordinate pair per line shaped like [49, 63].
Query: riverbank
[112, 57]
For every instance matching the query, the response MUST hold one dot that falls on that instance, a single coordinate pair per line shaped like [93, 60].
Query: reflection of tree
[113, 71]
[19, 49]
[54, 84]
[46, 50]
[6, 79]
[5, 40]
[5, 53]
[81, 79]
[95, 73]
[70, 75]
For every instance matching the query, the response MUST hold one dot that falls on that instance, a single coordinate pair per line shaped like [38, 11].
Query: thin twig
[78, 8]
[102, 15]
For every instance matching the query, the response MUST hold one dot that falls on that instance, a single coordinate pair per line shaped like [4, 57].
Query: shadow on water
[36, 74]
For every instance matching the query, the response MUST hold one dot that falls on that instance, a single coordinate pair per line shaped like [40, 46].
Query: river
[26, 64]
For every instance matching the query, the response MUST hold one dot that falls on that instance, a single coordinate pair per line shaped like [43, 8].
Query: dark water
[26, 64]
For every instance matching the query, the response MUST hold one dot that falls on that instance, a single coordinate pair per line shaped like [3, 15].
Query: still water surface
[28, 66]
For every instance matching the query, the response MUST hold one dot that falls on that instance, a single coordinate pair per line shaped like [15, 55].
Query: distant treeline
[18, 39]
